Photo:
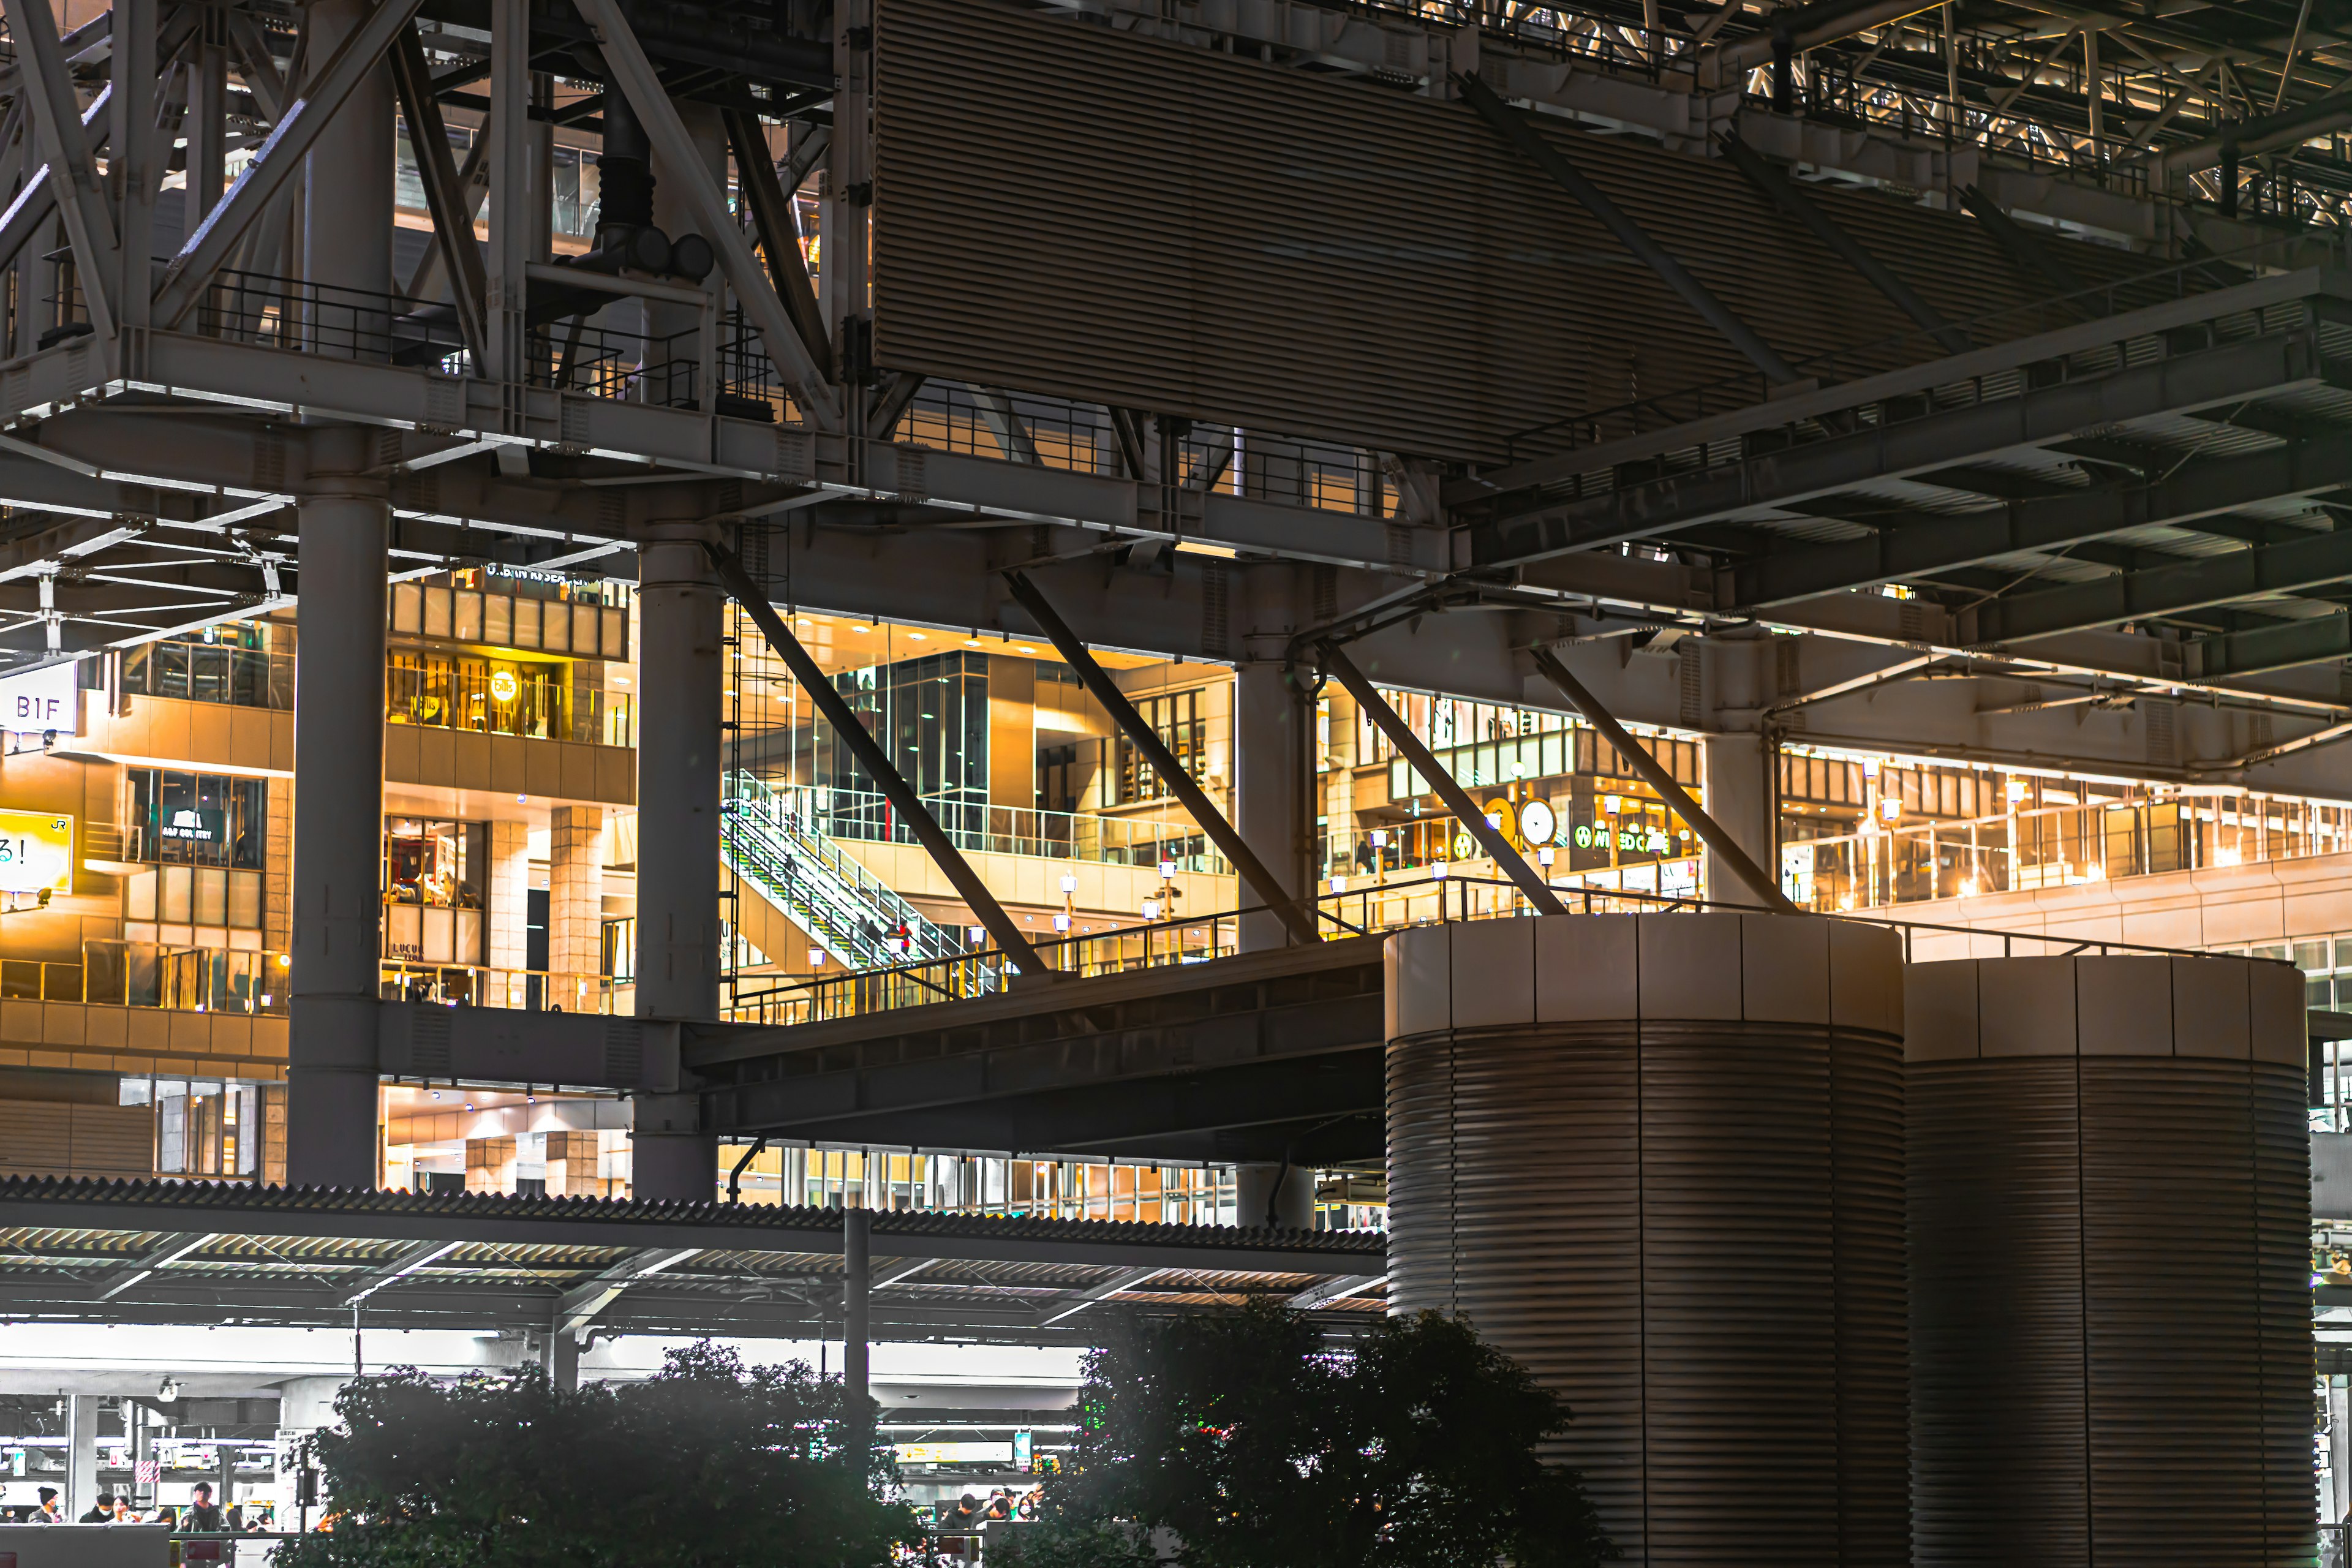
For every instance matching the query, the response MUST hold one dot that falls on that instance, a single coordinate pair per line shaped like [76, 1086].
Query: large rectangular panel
[1074, 210]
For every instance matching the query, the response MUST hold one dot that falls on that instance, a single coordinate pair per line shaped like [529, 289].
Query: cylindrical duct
[1658, 1159]
[2109, 1216]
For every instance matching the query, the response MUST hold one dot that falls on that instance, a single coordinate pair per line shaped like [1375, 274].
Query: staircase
[772, 850]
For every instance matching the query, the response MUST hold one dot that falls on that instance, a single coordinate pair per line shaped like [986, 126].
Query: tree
[1256, 1445]
[705, 1465]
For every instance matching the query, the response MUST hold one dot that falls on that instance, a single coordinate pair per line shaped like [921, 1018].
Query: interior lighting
[1062, 922]
[1609, 804]
[2015, 790]
[816, 958]
[1437, 870]
[1380, 837]
[1890, 808]
[1152, 909]
[2228, 855]
[920, 636]
[1168, 871]
[1544, 854]
[862, 628]
[1069, 883]
[1339, 884]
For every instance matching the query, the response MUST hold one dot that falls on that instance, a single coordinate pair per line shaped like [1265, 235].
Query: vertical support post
[856, 1292]
[1269, 755]
[560, 1354]
[81, 1454]
[515, 197]
[347, 201]
[330, 1135]
[681, 618]
[678, 329]
[1275, 1194]
[2229, 178]
[1737, 799]
[136, 165]
[849, 199]
[2097, 98]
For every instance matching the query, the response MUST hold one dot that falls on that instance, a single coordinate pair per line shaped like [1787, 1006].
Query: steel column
[682, 616]
[347, 197]
[81, 197]
[337, 834]
[856, 1333]
[1269, 757]
[436, 171]
[1299, 919]
[1724, 849]
[1457, 800]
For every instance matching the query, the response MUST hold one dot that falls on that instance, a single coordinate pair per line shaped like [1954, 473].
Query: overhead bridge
[1254, 1057]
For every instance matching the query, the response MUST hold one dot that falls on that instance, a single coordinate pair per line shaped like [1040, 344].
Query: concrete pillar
[680, 622]
[1270, 760]
[510, 895]
[560, 1354]
[1738, 795]
[576, 896]
[348, 196]
[337, 834]
[1285, 1193]
[81, 1454]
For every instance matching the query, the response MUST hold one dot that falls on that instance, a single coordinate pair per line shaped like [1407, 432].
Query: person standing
[204, 1515]
[103, 1514]
[48, 1512]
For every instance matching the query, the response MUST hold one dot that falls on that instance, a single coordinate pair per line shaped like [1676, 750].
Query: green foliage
[1259, 1446]
[702, 1465]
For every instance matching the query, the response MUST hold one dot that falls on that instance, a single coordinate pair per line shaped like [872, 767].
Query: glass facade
[435, 881]
[196, 819]
[931, 716]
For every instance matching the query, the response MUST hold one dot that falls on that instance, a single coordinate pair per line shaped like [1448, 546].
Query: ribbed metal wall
[2109, 1211]
[1690, 1227]
[1071, 210]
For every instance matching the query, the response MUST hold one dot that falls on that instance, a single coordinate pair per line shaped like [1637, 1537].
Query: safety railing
[210, 672]
[2053, 846]
[1440, 896]
[480, 985]
[980, 829]
[844, 910]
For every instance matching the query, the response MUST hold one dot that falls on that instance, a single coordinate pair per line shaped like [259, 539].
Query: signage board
[966, 1453]
[37, 851]
[40, 700]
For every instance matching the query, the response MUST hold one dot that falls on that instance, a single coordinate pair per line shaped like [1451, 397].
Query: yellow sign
[503, 685]
[964, 1453]
[35, 852]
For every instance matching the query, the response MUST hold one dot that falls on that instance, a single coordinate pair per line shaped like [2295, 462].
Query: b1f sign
[42, 699]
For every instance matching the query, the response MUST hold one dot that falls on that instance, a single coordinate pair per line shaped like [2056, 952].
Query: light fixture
[1167, 870]
[1062, 922]
[1069, 883]
[1891, 809]
[1544, 854]
[1339, 884]
[1609, 804]
[1437, 870]
[1380, 837]
[1152, 909]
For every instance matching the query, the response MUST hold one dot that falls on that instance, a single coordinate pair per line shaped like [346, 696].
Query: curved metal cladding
[2110, 1315]
[1659, 1160]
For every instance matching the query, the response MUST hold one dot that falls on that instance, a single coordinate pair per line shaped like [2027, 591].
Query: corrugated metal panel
[1073, 211]
[2111, 1332]
[1694, 1235]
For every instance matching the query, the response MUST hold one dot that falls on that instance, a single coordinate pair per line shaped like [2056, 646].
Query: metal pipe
[1298, 919]
[735, 1176]
[1457, 800]
[1655, 774]
[876, 764]
[1513, 127]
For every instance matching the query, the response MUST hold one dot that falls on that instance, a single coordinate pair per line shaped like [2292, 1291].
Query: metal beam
[2260, 135]
[1298, 919]
[2025, 249]
[1825, 22]
[852, 731]
[1514, 128]
[633, 75]
[2204, 488]
[409, 1261]
[1766, 177]
[167, 1251]
[306, 119]
[2168, 590]
[81, 197]
[579, 1306]
[1457, 801]
[1125, 1279]
[772, 217]
[36, 202]
[1658, 777]
[2229, 655]
[1329, 1290]
[436, 171]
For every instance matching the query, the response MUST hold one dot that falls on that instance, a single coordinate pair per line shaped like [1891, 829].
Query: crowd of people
[201, 1517]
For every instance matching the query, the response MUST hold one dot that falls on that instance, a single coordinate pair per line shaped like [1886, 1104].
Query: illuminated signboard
[955, 1453]
[40, 700]
[35, 852]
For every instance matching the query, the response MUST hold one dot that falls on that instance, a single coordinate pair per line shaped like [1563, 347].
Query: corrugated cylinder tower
[1658, 1159]
[2109, 1215]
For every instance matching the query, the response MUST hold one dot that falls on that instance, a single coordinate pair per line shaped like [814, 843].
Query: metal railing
[480, 985]
[2053, 846]
[976, 828]
[771, 840]
[1438, 898]
[210, 672]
